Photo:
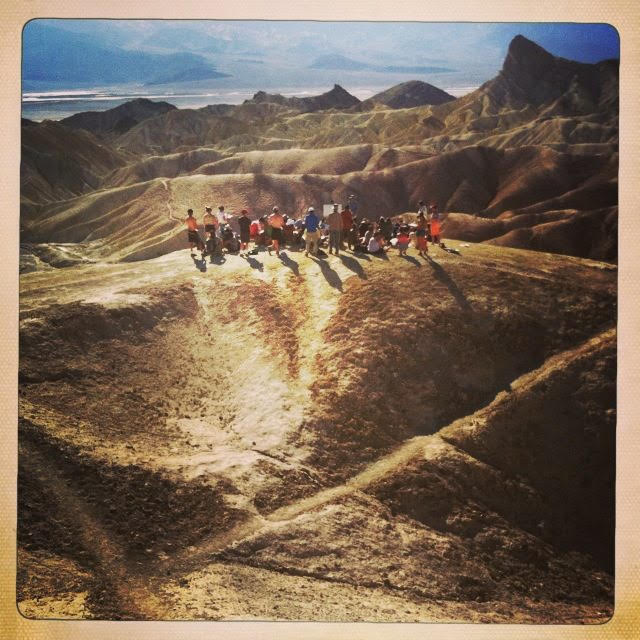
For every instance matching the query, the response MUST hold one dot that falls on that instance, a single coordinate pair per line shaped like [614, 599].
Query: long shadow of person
[381, 255]
[201, 264]
[330, 275]
[447, 280]
[412, 260]
[354, 265]
[255, 264]
[288, 262]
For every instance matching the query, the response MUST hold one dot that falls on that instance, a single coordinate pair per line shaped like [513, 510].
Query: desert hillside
[355, 438]
[528, 160]
[359, 437]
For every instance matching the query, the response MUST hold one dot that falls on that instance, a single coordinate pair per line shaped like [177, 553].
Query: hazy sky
[268, 54]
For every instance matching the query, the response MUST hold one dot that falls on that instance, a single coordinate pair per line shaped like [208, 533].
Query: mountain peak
[525, 55]
[412, 93]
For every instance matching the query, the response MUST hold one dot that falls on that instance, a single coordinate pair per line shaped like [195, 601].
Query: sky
[201, 55]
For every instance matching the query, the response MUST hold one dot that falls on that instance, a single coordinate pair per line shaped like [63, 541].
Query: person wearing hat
[276, 222]
[334, 220]
[245, 230]
[312, 232]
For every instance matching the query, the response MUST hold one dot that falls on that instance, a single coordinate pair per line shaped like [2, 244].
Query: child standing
[403, 240]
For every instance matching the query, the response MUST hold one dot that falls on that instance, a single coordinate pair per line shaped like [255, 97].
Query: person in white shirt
[222, 217]
[374, 245]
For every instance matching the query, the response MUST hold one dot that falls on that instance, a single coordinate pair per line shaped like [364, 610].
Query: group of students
[313, 231]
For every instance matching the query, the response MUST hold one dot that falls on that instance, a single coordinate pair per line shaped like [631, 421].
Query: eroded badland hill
[353, 438]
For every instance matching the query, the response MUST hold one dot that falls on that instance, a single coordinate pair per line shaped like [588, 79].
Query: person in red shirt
[195, 241]
[434, 224]
[403, 240]
[421, 235]
[347, 223]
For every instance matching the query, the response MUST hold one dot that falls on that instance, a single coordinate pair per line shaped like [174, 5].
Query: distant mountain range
[342, 63]
[58, 56]
[532, 153]
[119, 119]
[337, 98]
[410, 94]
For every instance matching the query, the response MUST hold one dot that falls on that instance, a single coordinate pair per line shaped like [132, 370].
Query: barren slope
[143, 219]
[264, 439]
[539, 138]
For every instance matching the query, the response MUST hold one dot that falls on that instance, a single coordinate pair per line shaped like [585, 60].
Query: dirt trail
[165, 184]
[430, 446]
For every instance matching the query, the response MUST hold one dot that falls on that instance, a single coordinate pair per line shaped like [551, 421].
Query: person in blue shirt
[312, 232]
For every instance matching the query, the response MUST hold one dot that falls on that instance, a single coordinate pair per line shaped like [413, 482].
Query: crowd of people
[313, 232]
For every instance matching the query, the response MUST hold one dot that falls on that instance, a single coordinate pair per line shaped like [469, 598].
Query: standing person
[312, 232]
[387, 230]
[347, 222]
[210, 225]
[210, 221]
[403, 240]
[222, 219]
[195, 241]
[422, 208]
[353, 203]
[276, 222]
[254, 231]
[421, 235]
[435, 224]
[363, 228]
[335, 229]
[265, 231]
[245, 230]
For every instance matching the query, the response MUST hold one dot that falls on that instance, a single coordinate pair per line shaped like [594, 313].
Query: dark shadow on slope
[255, 264]
[450, 283]
[292, 264]
[353, 265]
[412, 260]
[201, 264]
[330, 275]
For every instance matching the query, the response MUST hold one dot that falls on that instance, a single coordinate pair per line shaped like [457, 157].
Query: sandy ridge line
[133, 592]
[427, 446]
